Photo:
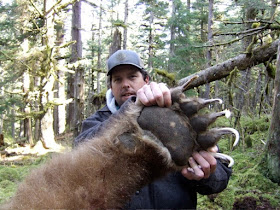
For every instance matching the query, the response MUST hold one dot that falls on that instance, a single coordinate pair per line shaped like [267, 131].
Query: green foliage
[13, 173]
[7, 189]
[10, 176]
[248, 181]
[256, 124]
[248, 141]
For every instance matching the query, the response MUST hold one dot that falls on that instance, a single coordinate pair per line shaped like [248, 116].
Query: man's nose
[126, 83]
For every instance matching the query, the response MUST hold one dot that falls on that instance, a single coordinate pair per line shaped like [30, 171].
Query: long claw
[201, 122]
[224, 157]
[190, 106]
[211, 137]
[235, 132]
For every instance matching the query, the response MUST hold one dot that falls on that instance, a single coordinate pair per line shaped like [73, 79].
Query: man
[205, 175]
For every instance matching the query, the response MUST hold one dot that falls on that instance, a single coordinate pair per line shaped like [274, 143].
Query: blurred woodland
[53, 75]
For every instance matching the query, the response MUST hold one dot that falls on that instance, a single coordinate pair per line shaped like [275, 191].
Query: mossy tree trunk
[59, 94]
[273, 141]
[47, 80]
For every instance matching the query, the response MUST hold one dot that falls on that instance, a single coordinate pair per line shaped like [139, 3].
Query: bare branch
[90, 3]
[32, 3]
[244, 32]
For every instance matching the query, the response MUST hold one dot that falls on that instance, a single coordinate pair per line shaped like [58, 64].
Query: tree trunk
[47, 132]
[210, 41]
[1, 115]
[125, 24]
[47, 81]
[98, 88]
[60, 110]
[203, 39]
[76, 52]
[37, 129]
[25, 88]
[273, 141]
[172, 38]
[116, 44]
[150, 47]
[257, 94]
[250, 15]
[91, 77]
[79, 71]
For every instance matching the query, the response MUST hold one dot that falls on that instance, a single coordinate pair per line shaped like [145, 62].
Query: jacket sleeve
[91, 125]
[217, 181]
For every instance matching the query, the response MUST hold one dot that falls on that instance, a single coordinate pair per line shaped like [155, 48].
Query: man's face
[126, 80]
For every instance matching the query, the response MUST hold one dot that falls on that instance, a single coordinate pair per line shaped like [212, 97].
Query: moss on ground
[12, 173]
[248, 188]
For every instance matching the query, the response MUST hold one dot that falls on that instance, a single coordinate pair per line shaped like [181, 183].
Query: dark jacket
[172, 192]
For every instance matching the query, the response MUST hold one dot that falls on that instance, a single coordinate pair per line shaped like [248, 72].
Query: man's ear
[147, 79]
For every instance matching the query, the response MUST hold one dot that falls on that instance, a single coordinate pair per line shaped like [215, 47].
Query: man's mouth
[128, 94]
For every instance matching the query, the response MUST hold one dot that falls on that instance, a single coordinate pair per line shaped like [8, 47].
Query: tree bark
[116, 44]
[256, 97]
[244, 79]
[273, 141]
[210, 41]
[47, 132]
[79, 71]
[150, 40]
[76, 53]
[172, 39]
[125, 23]
[241, 62]
[98, 88]
[27, 120]
[47, 81]
[60, 110]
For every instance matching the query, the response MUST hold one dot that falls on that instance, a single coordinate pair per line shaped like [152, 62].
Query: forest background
[53, 75]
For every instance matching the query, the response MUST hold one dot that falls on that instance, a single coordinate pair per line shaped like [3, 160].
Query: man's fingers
[199, 174]
[144, 95]
[166, 94]
[157, 94]
[204, 164]
[154, 94]
[211, 161]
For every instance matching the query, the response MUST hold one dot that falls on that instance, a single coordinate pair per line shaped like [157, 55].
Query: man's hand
[202, 164]
[154, 94]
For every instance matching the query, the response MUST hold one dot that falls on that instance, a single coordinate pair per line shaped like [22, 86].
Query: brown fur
[127, 153]
[98, 174]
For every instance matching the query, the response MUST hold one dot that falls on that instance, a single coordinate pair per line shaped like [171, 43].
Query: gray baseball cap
[121, 57]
